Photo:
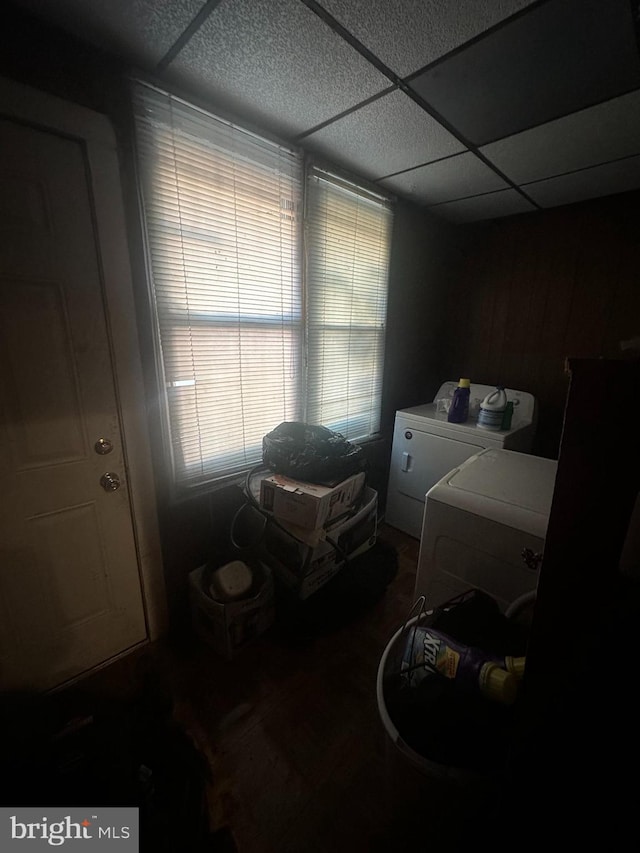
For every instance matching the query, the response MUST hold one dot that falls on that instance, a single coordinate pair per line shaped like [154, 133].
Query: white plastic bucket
[424, 766]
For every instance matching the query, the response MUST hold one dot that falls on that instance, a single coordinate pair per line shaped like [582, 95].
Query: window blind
[348, 239]
[222, 213]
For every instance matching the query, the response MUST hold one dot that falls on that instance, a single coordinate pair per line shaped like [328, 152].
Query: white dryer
[485, 525]
[426, 447]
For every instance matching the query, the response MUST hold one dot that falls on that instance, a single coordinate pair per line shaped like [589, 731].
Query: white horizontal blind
[222, 216]
[348, 239]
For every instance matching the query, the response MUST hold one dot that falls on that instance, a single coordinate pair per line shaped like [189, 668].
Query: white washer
[478, 520]
[426, 447]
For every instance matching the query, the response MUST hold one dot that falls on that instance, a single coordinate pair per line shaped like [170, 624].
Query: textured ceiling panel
[588, 183]
[558, 58]
[456, 177]
[277, 63]
[141, 30]
[408, 34]
[388, 135]
[491, 206]
[587, 138]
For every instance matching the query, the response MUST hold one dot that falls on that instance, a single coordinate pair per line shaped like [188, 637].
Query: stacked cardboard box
[310, 506]
[314, 528]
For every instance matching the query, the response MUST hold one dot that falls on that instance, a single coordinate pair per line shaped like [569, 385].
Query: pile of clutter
[314, 528]
[318, 514]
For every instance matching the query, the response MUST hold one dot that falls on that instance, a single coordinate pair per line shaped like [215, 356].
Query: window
[246, 340]
[348, 234]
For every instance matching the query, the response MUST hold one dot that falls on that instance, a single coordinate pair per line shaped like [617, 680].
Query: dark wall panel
[539, 288]
[425, 258]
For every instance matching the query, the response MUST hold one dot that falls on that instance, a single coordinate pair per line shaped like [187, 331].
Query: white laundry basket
[398, 751]
[396, 746]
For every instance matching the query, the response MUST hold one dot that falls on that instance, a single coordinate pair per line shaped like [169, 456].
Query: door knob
[531, 558]
[110, 482]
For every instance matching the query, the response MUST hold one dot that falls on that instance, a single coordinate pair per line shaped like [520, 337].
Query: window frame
[368, 192]
[181, 489]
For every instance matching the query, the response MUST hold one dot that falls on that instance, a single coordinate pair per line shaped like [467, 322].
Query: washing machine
[484, 527]
[426, 447]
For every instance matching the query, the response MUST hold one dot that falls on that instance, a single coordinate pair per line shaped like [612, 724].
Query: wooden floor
[300, 758]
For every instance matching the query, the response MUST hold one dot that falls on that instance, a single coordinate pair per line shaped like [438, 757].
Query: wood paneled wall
[538, 288]
[425, 260]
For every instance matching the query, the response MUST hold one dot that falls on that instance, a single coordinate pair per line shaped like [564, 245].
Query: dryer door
[418, 460]
[421, 459]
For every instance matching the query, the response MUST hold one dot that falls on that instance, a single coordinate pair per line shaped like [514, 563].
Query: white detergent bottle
[492, 409]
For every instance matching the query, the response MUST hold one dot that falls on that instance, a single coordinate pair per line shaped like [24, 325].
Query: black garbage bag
[312, 453]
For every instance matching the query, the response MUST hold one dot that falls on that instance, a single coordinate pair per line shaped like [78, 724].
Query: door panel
[69, 582]
[69, 542]
[39, 389]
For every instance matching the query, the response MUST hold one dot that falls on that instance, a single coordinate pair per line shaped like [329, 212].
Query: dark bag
[312, 453]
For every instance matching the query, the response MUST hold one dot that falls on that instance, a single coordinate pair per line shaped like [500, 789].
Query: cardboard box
[309, 537]
[309, 505]
[305, 568]
[229, 626]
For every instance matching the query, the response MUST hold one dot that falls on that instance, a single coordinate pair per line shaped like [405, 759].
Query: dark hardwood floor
[300, 758]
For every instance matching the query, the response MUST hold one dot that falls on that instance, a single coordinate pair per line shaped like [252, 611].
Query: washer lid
[514, 489]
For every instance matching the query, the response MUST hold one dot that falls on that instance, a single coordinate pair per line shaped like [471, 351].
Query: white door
[70, 594]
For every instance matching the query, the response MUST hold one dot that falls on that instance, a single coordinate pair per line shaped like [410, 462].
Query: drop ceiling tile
[411, 34]
[558, 58]
[586, 138]
[385, 136]
[489, 206]
[456, 177]
[141, 30]
[277, 63]
[607, 179]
